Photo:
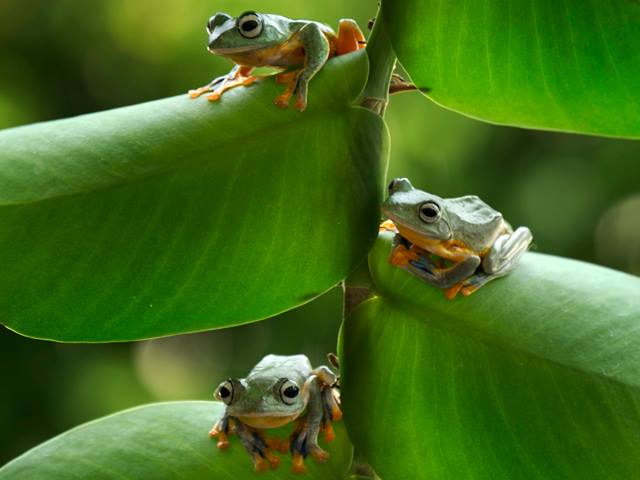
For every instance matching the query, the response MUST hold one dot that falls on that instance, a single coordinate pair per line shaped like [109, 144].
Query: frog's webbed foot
[195, 93]
[257, 445]
[221, 430]
[389, 226]
[501, 259]
[350, 37]
[401, 256]
[239, 75]
[331, 412]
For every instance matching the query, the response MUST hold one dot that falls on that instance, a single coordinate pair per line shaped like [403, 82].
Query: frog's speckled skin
[465, 231]
[279, 390]
[264, 40]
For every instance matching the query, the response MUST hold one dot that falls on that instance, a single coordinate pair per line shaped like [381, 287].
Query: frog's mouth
[267, 421]
[230, 51]
[453, 250]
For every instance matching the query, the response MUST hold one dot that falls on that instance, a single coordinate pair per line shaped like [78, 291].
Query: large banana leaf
[535, 376]
[164, 441]
[564, 65]
[181, 215]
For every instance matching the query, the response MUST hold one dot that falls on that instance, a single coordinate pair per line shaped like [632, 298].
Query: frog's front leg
[254, 442]
[257, 445]
[220, 430]
[316, 47]
[322, 409]
[501, 259]
[443, 277]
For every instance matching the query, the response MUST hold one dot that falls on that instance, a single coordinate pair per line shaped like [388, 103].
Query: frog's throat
[267, 421]
[454, 250]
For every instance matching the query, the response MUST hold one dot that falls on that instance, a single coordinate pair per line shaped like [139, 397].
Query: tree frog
[299, 47]
[473, 237]
[279, 390]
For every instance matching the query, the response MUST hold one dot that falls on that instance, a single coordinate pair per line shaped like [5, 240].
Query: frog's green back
[473, 221]
[294, 367]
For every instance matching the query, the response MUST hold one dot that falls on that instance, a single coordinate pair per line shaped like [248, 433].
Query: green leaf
[181, 215]
[571, 65]
[535, 376]
[159, 441]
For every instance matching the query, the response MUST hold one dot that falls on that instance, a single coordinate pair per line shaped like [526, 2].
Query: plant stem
[382, 62]
[356, 288]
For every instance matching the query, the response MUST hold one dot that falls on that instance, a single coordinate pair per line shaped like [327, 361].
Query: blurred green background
[579, 195]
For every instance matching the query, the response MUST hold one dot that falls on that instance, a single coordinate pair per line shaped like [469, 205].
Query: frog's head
[262, 403]
[418, 215]
[250, 31]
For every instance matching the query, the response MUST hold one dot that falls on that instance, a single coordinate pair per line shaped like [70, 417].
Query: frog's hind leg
[257, 446]
[426, 269]
[501, 260]
[350, 37]
[239, 75]
[291, 80]
[195, 93]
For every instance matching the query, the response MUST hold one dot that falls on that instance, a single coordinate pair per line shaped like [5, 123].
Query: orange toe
[260, 464]
[329, 434]
[298, 464]
[451, 293]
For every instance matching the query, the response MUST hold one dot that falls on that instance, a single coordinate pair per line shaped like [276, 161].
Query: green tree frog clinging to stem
[299, 47]
[465, 231]
[279, 390]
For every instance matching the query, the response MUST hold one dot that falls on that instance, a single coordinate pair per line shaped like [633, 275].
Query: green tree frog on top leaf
[279, 390]
[299, 47]
[464, 231]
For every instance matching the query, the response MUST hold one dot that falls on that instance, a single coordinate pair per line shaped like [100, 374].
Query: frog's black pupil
[391, 185]
[291, 392]
[429, 212]
[249, 25]
[224, 392]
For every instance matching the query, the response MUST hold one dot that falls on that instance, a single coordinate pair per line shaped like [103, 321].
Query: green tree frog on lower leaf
[299, 47]
[279, 390]
[473, 237]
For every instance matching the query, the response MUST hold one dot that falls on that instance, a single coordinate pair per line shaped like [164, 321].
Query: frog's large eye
[250, 25]
[429, 212]
[225, 392]
[289, 391]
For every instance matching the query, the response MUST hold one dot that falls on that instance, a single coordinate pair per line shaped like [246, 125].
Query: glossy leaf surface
[163, 441]
[535, 376]
[570, 65]
[181, 215]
